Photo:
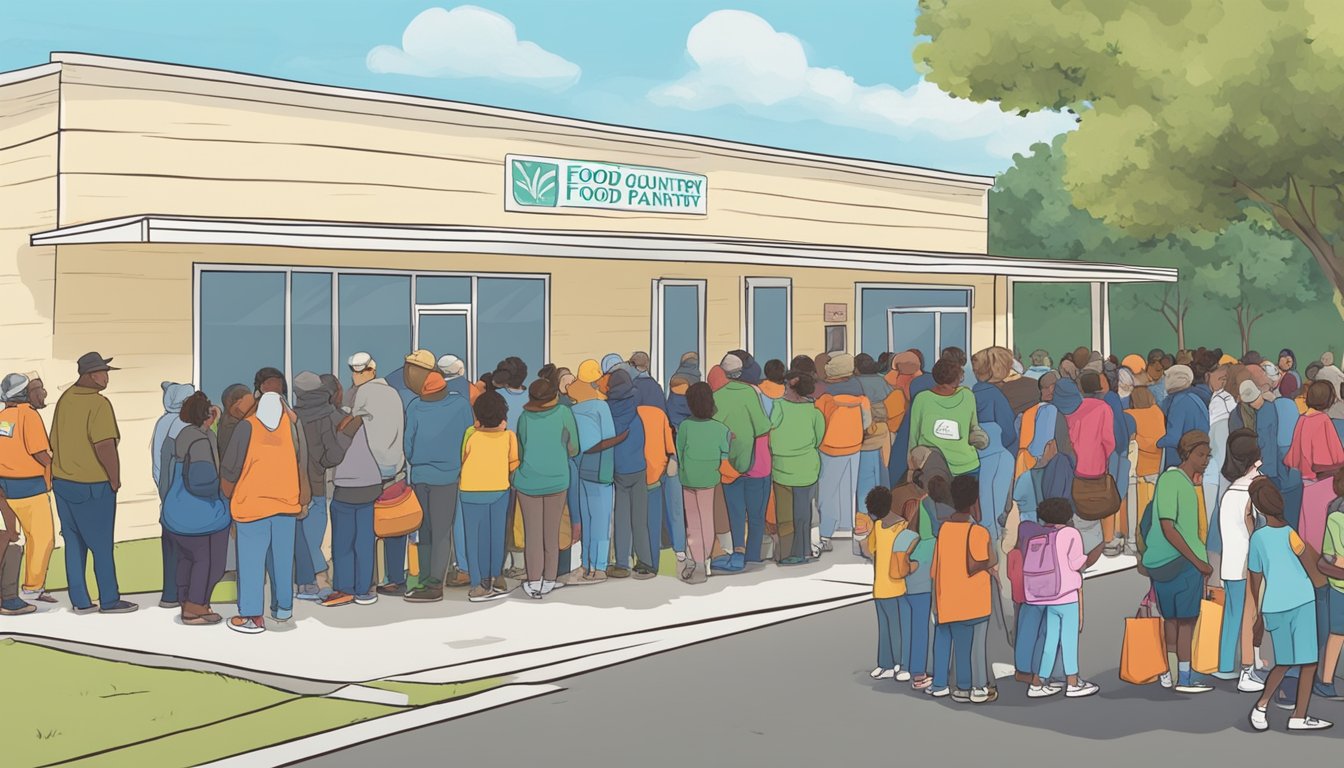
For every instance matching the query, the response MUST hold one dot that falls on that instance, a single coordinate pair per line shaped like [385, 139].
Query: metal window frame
[749, 286]
[858, 306]
[656, 321]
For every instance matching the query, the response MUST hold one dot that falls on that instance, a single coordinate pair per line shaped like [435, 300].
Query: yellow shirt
[83, 418]
[488, 458]
[882, 540]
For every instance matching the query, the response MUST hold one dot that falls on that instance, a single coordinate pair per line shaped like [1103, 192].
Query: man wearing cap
[738, 407]
[410, 378]
[380, 407]
[25, 462]
[162, 450]
[455, 377]
[86, 475]
[1186, 411]
[597, 438]
[436, 424]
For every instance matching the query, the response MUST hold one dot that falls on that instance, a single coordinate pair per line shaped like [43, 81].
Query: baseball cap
[12, 385]
[93, 363]
[731, 365]
[361, 361]
[421, 358]
[451, 365]
[589, 371]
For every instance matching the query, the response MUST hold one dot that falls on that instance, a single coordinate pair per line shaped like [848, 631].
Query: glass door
[446, 330]
[929, 330]
[678, 326]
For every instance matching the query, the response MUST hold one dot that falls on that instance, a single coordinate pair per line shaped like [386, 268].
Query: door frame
[463, 310]
[749, 284]
[656, 322]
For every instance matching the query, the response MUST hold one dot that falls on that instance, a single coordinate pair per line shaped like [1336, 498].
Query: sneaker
[1283, 700]
[392, 590]
[593, 577]
[826, 546]
[938, 693]
[1165, 680]
[644, 572]
[478, 594]
[960, 696]
[1082, 690]
[248, 625]
[816, 551]
[902, 676]
[16, 607]
[734, 563]
[1248, 682]
[337, 599]
[532, 589]
[1324, 691]
[1042, 691]
[793, 560]
[1193, 687]
[90, 608]
[1308, 724]
[681, 557]
[983, 695]
[1259, 719]
[169, 604]
[547, 587]
[368, 599]
[500, 587]
[688, 570]
[458, 579]
[1233, 675]
[1113, 549]
[121, 606]
[617, 572]
[428, 594]
[922, 684]
[882, 674]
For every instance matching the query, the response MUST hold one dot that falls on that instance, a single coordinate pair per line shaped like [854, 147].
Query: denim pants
[200, 564]
[595, 510]
[1229, 641]
[435, 548]
[460, 538]
[1061, 637]
[486, 516]
[655, 525]
[837, 490]
[394, 560]
[888, 631]
[746, 499]
[915, 611]
[631, 520]
[955, 637]
[266, 548]
[308, 557]
[353, 547]
[870, 476]
[88, 514]
[1028, 640]
[996, 480]
[674, 513]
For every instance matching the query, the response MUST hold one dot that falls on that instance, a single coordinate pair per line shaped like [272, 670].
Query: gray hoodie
[168, 425]
[356, 479]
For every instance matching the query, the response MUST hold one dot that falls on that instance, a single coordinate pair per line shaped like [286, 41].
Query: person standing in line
[1022, 391]
[797, 430]
[738, 407]
[25, 469]
[454, 377]
[1052, 573]
[674, 509]
[264, 474]
[1331, 565]
[380, 408]
[195, 516]
[1278, 568]
[660, 462]
[759, 473]
[489, 458]
[632, 497]
[597, 438]
[1186, 411]
[1175, 558]
[548, 437]
[892, 557]
[943, 418]
[436, 424]
[962, 560]
[650, 391]
[995, 415]
[904, 369]
[703, 443]
[1316, 453]
[161, 451]
[1149, 426]
[1236, 521]
[848, 415]
[1289, 379]
[1092, 434]
[356, 485]
[1115, 529]
[410, 378]
[316, 399]
[86, 476]
[1222, 404]
[1040, 365]
[874, 453]
[11, 555]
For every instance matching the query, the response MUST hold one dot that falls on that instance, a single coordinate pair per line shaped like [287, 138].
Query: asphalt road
[799, 693]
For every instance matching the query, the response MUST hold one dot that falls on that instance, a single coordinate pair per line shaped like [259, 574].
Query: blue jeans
[914, 613]
[259, 543]
[746, 498]
[88, 514]
[674, 513]
[870, 476]
[655, 514]
[460, 539]
[1028, 640]
[954, 637]
[888, 631]
[996, 481]
[1061, 637]
[598, 501]
[352, 547]
[308, 558]
[487, 517]
[1229, 641]
[394, 560]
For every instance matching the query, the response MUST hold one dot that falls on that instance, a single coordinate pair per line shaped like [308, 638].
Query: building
[198, 224]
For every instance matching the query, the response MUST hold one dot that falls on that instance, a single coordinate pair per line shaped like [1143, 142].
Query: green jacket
[798, 429]
[945, 423]
[546, 442]
[701, 446]
[739, 408]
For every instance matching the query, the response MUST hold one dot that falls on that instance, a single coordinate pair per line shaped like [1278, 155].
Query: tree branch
[1297, 192]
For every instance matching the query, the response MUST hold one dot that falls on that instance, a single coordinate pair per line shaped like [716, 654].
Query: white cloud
[741, 60]
[472, 42]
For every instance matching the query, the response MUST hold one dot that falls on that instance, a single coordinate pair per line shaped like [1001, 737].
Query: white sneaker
[1081, 690]
[1248, 683]
[1308, 724]
[938, 693]
[1165, 680]
[1042, 691]
[882, 674]
[902, 676]
[1259, 719]
[1194, 688]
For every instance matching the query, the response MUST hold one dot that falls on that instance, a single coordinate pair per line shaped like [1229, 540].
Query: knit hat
[731, 366]
[1068, 398]
[540, 395]
[589, 371]
[1178, 377]
[1249, 392]
[840, 366]
[1134, 363]
[609, 362]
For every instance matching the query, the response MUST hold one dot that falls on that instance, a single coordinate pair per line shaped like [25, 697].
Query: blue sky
[833, 77]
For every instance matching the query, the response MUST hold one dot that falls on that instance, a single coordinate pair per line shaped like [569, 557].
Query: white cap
[451, 365]
[361, 361]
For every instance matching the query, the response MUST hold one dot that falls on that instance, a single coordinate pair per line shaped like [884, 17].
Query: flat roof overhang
[576, 244]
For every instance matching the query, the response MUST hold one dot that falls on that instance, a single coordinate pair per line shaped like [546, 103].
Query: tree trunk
[1299, 219]
[1180, 331]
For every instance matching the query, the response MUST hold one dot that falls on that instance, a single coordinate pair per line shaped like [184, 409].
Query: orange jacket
[658, 442]
[845, 423]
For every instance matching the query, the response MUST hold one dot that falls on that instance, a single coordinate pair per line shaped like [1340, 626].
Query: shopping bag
[1143, 651]
[397, 512]
[1208, 632]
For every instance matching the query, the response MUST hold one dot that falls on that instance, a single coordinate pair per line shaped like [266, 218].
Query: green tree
[1188, 110]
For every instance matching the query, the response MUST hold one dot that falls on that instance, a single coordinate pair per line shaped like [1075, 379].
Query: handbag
[1143, 651]
[1208, 631]
[397, 512]
[1095, 498]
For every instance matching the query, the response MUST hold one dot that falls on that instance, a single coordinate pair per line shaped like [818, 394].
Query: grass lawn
[87, 711]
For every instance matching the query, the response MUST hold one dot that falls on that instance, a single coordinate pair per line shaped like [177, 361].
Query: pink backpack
[1041, 580]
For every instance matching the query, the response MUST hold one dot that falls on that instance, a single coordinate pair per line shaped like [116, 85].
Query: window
[436, 289]
[678, 325]
[242, 327]
[310, 323]
[769, 314]
[893, 318]
[375, 317]
[510, 321]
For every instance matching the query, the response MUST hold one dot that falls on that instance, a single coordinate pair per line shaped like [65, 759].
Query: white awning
[354, 236]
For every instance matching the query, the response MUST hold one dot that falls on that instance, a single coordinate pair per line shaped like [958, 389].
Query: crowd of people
[1211, 470]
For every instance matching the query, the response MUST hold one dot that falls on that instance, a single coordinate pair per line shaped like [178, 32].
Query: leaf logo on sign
[534, 183]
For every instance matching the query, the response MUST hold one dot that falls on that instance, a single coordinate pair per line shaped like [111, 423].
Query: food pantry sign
[549, 185]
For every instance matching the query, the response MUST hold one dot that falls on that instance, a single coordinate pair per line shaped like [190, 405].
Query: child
[890, 545]
[1053, 562]
[702, 446]
[1332, 555]
[489, 457]
[11, 554]
[908, 501]
[962, 558]
[1277, 561]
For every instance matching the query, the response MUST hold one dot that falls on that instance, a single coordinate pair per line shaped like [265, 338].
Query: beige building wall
[135, 303]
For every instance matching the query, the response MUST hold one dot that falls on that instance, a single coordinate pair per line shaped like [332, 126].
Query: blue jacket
[1186, 411]
[991, 406]
[649, 392]
[433, 438]
[1124, 423]
[624, 402]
